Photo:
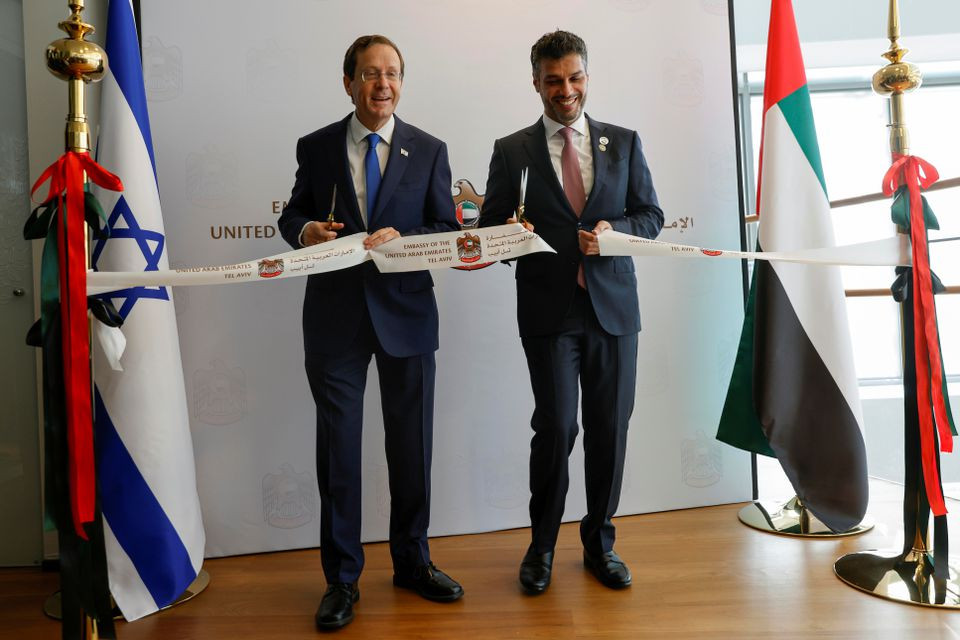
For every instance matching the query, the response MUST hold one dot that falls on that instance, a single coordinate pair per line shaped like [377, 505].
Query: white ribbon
[467, 247]
[889, 252]
[457, 248]
[406, 253]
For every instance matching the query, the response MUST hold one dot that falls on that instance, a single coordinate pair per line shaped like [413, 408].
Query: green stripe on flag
[798, 113]
[739, 426]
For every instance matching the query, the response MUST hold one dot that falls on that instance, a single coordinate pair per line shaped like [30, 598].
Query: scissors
[523, 194]
[333, 205]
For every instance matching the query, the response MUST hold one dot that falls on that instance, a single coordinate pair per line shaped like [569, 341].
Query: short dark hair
[556, 45]
[361, 44]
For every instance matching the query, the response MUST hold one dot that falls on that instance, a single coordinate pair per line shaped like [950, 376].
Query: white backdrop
[231, 91]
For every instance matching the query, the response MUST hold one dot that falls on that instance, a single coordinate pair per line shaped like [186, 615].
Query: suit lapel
[536, 148]
[396, 165]
[601, 162]
[346, 194]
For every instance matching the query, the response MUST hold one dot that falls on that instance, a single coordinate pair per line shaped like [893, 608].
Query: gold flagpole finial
[895, 80]
[77, 61]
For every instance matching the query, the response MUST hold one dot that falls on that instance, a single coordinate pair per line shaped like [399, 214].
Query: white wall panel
[230, 92]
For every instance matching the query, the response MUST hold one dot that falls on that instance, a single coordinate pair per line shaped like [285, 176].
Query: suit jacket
[414, 198]
[622, 194]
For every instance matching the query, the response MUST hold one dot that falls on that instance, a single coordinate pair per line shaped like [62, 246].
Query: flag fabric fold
[793, 393]
[153, 528]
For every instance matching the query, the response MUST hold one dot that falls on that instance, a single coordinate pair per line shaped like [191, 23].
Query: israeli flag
[154, 532]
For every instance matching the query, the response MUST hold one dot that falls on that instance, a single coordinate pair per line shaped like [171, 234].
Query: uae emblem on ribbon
[468, 248]
[270, 268]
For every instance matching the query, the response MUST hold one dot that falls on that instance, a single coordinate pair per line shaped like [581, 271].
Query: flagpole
[79, 62]
[919, 573]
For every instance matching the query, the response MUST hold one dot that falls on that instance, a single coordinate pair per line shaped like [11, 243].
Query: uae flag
[793, 394]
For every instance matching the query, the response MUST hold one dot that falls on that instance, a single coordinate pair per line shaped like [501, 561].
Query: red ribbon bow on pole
[66, 175]
[916, 173]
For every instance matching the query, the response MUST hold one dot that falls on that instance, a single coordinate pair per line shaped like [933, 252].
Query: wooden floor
[697, 574]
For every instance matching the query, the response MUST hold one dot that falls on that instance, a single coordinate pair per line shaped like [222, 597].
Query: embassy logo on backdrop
[290, 499]
[683, 80]
[716, 7]
[162, 70]
[219, 394]
[468, 203]
[271, 71]
[212, 178]
[632, 5]
[701, 462]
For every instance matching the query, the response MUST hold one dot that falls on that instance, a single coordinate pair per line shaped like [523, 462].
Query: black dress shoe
[609, 569]
[336, 608]
[430, 583]
[535, 570]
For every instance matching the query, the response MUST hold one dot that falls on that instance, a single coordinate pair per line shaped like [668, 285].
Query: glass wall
[852, 130]
[851, 126]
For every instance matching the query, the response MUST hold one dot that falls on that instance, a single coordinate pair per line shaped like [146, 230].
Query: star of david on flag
[152, 525]
[123, 225]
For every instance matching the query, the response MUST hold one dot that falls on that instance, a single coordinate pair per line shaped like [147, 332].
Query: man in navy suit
[578, 311]
[384, 177]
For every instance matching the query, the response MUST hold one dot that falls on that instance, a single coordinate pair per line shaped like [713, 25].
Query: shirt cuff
[300, 236]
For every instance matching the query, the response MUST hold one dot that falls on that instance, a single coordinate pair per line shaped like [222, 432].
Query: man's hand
[317, 232]
[589, 246]
[526, 225]
[380, 236]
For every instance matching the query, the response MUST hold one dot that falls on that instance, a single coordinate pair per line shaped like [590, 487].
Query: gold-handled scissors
[333, 205]
[523, 195]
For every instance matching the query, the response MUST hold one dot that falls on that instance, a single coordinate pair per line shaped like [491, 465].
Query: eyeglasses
[372, 76]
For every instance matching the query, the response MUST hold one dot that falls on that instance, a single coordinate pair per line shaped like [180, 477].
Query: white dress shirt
[580, 140]
[357, 151]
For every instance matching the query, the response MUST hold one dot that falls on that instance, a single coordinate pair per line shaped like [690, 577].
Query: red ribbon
[918, 174]
[66, 174]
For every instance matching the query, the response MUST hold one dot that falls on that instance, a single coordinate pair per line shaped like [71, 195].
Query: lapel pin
[604, 140]
[403, 152]
[602, 147]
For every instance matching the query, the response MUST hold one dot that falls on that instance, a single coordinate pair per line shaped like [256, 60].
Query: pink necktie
[573, 183]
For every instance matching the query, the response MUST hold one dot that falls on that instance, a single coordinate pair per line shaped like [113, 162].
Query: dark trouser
[406, 396]
[606, 367]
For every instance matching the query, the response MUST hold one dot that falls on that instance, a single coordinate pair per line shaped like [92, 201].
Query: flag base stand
[906, 578]
[51, 607]
[793, 519]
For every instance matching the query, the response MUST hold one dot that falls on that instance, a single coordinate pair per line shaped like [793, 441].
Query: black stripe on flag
[803, 412]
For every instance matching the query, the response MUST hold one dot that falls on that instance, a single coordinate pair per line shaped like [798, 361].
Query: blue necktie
[371, 166]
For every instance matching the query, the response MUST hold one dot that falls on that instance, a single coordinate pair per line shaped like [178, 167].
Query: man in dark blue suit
[381, 176]
[578, 311]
